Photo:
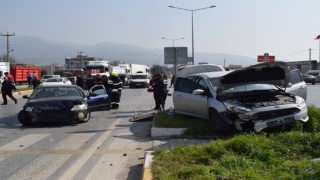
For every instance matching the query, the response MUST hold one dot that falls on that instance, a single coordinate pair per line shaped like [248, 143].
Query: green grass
[246, 156]
[24, 89]
[278, 155]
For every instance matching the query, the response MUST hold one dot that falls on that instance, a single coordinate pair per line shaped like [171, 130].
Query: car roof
[212, 74]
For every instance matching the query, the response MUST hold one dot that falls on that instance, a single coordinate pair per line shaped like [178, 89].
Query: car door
[298, 87]
[184, 101]
[98, 98]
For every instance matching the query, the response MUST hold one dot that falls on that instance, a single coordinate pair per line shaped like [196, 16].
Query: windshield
[47, 92]
[139, 77]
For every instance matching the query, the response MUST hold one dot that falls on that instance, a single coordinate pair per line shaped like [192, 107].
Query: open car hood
[276, 73]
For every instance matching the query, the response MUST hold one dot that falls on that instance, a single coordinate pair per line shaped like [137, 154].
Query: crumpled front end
[264, 112]
[56, 111]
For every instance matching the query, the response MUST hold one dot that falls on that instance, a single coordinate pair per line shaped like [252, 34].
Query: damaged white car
[254, 98]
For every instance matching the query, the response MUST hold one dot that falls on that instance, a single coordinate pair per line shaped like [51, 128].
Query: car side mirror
[198, 92]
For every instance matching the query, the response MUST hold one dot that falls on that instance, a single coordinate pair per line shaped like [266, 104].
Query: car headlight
[235, 108]
[300, 101]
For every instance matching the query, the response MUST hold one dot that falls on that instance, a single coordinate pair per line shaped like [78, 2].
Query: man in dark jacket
[116, 89]
[159, 91]
[35, 82]
[6, 89]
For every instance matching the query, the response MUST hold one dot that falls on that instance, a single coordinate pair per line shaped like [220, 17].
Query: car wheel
[24, 118]
[86, 118]
[220, 123]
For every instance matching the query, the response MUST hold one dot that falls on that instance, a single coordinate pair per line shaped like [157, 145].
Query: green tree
[155, 69]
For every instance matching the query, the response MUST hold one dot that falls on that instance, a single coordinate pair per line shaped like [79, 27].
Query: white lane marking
[47, 164]
[72, 171]
[24, 142]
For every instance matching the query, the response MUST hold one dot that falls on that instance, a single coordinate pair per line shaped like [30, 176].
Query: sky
[284, 28]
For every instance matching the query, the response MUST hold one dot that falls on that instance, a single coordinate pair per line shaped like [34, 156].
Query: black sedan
[62, 103]
[309, 78]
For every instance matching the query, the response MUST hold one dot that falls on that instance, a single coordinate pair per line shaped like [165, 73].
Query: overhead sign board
[266, 58]
[178, 53]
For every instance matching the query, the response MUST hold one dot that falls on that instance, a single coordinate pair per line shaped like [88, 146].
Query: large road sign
[178, 53]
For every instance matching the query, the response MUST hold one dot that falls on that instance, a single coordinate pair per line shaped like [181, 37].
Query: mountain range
[41, 52]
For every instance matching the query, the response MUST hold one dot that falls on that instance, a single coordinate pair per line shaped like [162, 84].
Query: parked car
[45, 77]
[139, 80]
[309, 78]
[252, 98]
[57, 81]
[62, 103]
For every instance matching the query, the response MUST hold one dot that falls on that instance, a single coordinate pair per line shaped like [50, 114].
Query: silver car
[253, 98]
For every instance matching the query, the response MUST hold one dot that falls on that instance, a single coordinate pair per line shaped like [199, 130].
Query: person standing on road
[116, 89]
[29, 79]
[6, 89]
[159, 91]
[172, 81]
[35, 82]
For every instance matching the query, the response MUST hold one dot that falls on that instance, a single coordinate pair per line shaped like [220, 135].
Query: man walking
[6, 89]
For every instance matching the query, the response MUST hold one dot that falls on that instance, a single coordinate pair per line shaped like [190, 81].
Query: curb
[147, 174]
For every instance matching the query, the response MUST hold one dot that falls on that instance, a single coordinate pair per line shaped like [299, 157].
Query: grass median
[278, 155]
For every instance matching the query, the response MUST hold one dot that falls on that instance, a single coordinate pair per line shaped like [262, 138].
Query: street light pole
[8, 45]
[192, 10]
[172, 40]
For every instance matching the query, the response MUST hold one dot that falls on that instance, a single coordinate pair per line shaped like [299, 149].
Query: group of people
[112, 84]
[7, 87]
[32, 80]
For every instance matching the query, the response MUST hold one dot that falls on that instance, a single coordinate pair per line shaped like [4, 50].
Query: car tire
[86, 119]
[220, 123]
[24, 118]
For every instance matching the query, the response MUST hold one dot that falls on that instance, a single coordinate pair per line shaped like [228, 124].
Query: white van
[44, 77]
[315, 73]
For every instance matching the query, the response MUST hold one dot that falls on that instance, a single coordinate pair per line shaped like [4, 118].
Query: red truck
[20, 73]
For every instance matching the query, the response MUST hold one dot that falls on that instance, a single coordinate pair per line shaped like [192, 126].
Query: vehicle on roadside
[315, 73]
[254, 98]
[139, 80]
[57, 81]
[309, 78]
[62, 103]
[45, 77]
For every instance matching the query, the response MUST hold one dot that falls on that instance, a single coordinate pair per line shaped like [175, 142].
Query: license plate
[279, 122]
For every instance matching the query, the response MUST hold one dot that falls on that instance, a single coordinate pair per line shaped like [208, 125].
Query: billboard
[180, 53]
[266, 58]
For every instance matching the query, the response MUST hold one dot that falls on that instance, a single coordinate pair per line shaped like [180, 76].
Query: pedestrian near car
[172, 81]
[159, 91]
[116, 89]
[29, 79]
[80, 81]
[35, 82]
[6, 89]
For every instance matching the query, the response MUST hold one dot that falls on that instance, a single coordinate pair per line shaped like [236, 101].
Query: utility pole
[310, 54]
[8, 45]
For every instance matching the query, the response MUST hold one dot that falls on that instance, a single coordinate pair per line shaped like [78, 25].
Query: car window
[295, 77]
[186, 85]
[99, 90]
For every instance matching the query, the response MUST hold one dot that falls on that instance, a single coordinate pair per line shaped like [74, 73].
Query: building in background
[79, 62]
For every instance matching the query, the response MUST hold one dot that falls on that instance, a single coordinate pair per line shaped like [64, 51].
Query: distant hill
[44, 52]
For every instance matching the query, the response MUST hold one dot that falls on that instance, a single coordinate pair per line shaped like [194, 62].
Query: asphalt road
[107, 147]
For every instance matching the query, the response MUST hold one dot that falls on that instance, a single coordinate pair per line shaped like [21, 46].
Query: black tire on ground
[23, 118]
[221, 125]
[86, 119]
